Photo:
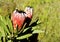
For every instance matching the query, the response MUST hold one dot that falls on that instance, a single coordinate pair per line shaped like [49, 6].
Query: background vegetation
[47, 11]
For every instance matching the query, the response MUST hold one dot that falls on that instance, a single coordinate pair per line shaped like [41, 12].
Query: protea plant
[19, 22]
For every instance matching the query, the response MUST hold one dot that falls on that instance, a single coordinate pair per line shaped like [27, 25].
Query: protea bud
[18, 19]
[28, 11]
[28, 15]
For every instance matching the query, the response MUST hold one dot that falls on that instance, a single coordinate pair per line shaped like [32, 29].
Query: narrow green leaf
[24, 36]
[34, 28]
[38, 31]
[26, 29]
[2, 18]
[4, 27]
[2, 33]
[9, 23]
[9, 41]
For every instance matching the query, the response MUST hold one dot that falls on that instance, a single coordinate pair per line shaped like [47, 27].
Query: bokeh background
[47, 11]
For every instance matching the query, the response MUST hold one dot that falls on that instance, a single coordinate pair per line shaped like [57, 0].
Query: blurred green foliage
[48, 12]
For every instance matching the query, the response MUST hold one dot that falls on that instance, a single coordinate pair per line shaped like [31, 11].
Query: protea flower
[18, 18]
[28, 11]
[29, 14]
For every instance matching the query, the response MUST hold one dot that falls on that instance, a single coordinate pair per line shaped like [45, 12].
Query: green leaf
[38, 31]
[3, 25]
[9, 41]
[34, 28]
[2, 18]
[2, 33]
[26, 29]
[9, 23]
[24, 36]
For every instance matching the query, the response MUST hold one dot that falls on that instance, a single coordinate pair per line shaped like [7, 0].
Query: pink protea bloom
[28, 11]
[29, 14]
[18, 19]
